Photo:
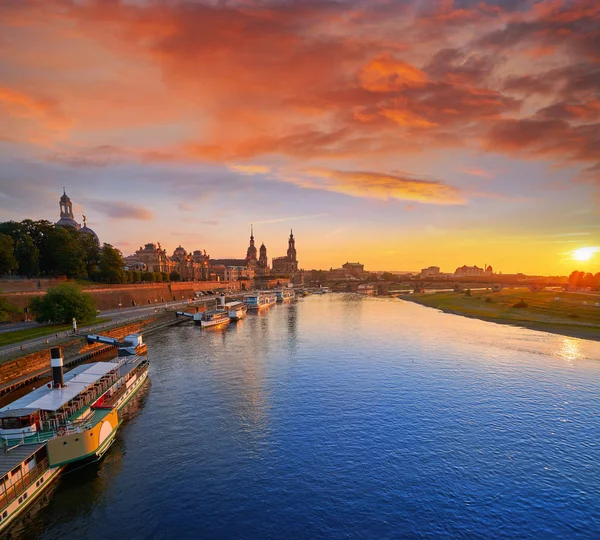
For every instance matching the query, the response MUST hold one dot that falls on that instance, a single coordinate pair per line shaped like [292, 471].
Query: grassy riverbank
[9, 338]
[569, 314]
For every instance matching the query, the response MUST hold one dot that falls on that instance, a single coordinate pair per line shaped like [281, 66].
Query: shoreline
[590, 333]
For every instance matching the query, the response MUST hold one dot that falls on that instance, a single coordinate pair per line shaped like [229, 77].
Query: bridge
[458, 283]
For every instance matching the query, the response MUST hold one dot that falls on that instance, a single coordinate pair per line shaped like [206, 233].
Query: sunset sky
[401, 134]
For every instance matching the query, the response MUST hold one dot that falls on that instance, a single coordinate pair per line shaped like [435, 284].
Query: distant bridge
[458, 283]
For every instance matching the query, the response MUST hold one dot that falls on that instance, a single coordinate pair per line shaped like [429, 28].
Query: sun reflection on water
[570, 349]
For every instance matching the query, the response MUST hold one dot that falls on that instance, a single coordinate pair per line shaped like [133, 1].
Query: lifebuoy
[61, 431]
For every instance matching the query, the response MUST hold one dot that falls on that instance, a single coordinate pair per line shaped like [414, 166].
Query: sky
[397, 133]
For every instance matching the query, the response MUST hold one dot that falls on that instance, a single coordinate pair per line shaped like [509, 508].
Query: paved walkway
[118, 317]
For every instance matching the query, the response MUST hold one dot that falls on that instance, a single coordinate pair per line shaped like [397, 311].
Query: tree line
[585, 279]
[39, 248]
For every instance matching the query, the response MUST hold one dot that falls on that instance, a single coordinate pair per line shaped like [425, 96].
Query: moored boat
[259, 300]
[285, 294]
[368, 289]
[321, 290]
[236, 310]
[73, 418]
[217, 317]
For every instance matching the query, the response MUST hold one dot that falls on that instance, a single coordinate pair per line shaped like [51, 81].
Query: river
[341, 416]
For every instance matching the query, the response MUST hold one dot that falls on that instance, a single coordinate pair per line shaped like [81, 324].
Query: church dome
[85, 229]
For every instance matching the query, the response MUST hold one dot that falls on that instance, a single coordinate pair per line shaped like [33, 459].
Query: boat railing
[12, 492]
[108, 401]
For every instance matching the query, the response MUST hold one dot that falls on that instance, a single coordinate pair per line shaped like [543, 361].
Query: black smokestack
[56, 361]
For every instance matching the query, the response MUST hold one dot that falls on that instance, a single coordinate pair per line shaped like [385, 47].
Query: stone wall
[14, 369]
[109, 297]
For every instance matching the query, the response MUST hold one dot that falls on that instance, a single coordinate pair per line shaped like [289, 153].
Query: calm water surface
[347, 417]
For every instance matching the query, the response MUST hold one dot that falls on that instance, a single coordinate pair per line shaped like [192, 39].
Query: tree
[63, 303]
[6, 309]
[111, 265]
[137, 276]
[165, 276]
[90, 251]
[175, 276]
[147, 276]
[157, 276]
[28, 256]
[63, 253]
[8, 261]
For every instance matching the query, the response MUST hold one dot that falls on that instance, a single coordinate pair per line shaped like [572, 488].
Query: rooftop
[51, 399]
[18, 454]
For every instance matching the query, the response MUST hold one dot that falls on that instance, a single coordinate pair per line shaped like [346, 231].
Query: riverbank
[568, 314]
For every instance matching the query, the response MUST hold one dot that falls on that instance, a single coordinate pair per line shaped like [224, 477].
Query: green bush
[6, 309]
[63, 303]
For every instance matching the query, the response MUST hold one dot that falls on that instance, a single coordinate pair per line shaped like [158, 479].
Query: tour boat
[236, 310]
[367, 289]
[74, 417]
[217, 317]
[285, 294]
[260, 300]
[321, 290]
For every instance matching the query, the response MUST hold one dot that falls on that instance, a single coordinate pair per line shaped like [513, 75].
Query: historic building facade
[153, 258]
[289, 263]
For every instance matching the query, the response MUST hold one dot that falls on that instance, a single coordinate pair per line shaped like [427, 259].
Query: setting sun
[585, 253]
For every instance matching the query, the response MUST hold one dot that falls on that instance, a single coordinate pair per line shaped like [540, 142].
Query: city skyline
[470, 139]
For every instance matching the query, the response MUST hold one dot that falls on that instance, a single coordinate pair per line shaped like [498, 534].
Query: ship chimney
[56, 361]
[222, 300]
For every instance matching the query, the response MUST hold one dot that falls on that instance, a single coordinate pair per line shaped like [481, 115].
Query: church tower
[291, 252]
[66, 212]
[251, 253]
[263, 261]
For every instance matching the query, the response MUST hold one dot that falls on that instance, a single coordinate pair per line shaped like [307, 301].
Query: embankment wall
[19, 367]
[108, 297]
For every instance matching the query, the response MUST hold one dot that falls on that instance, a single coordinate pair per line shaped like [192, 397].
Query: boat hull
[85, 444]
[238, 315]
[213, 323]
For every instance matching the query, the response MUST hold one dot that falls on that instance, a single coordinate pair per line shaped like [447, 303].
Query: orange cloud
[478, 172]
[230, 81]
[373, 185]
[386, 74]
[248, 169]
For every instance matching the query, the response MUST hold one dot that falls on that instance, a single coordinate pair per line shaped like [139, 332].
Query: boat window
[11, 423]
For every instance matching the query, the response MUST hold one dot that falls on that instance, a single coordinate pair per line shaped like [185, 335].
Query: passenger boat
[73, 418]
[285, 294]
[236, 310]
[321, 290]
[217, 317]
[259, 300]
[367, 289]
